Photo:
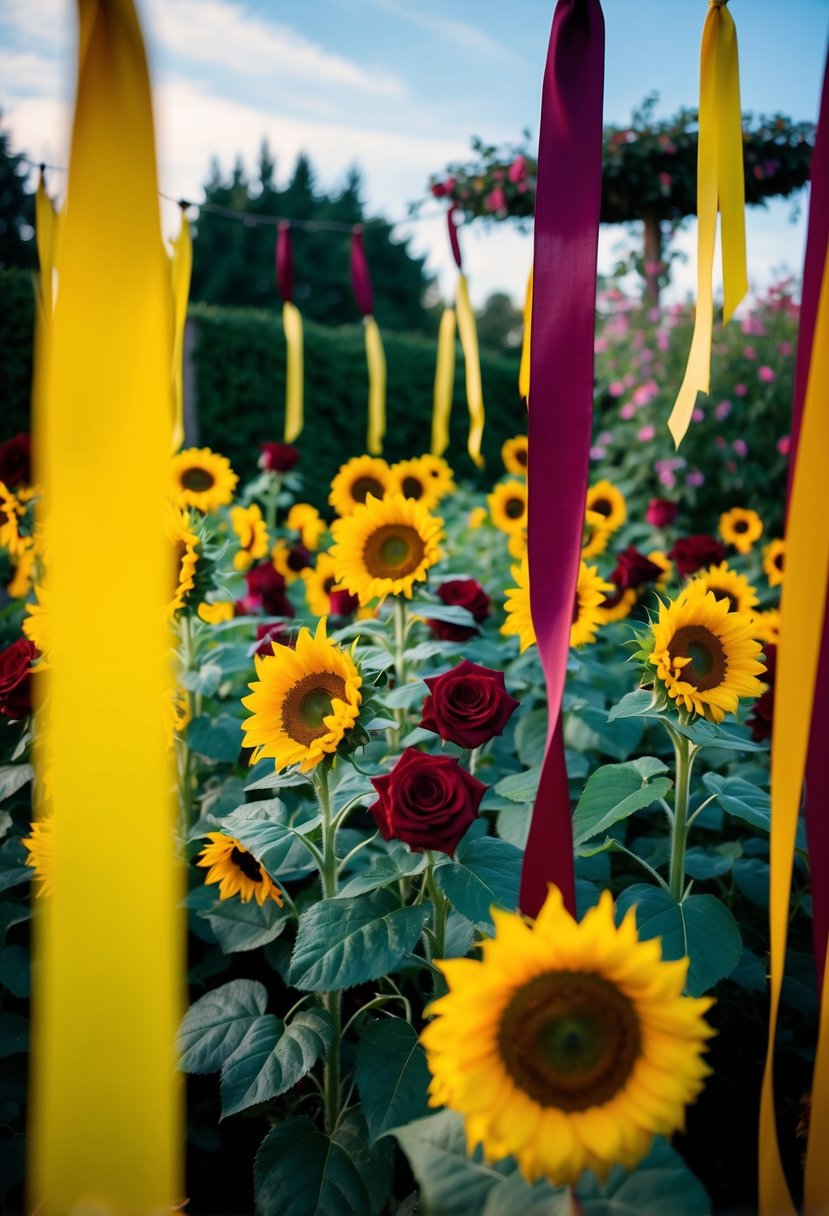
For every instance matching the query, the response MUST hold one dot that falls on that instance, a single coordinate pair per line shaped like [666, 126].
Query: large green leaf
[392, 1076]
[239, 926]
[659, 1185]
[276, 842]
[515, 1195]
[637, 704]
[13, 868]
[343, 942]
[272, 1057]
[590, 730]
[216, 738]
[13, 777]
[449, 1181]
[299, 1171]
[485, 871]
[614, 792]
[741, 799]
[531, 736]
[700, 927]
[217, 1023]
[520, 787]
[373, 1162]
[387, 869]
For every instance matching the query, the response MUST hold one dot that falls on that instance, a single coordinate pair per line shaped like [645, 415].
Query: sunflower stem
[400, 631]
[684, 751]
[441, 905]
[331, 1000]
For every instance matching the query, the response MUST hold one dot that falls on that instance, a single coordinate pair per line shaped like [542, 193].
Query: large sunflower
[385, 547]
[514, 455]
[361, 476]
[773, 562]
[202, 479]
[237, 871]
[728, 585]
[595, 534]
[519, 621]
[705, 655]
[606, 500]
[508, 506]
[320, 581]
[252, 533]
[40, 846]
[186, 548]
[568, 1045]
[303, 702]
[590, 592]
[414, 479]
[741, 528]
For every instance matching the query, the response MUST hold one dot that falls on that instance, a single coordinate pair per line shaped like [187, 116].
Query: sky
[398, 87]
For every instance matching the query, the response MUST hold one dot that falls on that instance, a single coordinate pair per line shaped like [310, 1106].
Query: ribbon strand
[468, 334]
[292, 328]
[181, 267]
[375, 355]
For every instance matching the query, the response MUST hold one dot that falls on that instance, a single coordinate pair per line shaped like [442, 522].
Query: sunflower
[440, 473]
[252, 531]
[514, 455]
[661, 559]
[36, 624]
[385, 547]
[10, 512]
[41, 854]
[320, 581]
[216, 611]
[24, 573]
[237, 871]
[517, 544]
[508, 506]
[290, 560]
[175, 712]
[186, 548]
[773, 557]
[303, 702]
[590, 589]
[728, 585]
[766, 626]
[361, 476]
[202, 479]
[741, 528]
[606, 500]
[617, 604]
[306, 520]
[477, 518]
[413, 479]
[519, 618]
[595, 534]
[705, 655]
[568, 1045]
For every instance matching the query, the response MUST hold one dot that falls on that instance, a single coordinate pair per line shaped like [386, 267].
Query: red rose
[278, 457]
[15, 679]
[633, 569]
[342, 602]
[426, 801]
[266, 592]
[16, 460]
[661, 512]
[265, 634]
[298, 558]
[762, 715]
[469, 705]
[692, 553]
[465, 593]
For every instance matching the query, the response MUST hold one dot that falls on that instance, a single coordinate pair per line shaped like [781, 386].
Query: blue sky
[398, 87]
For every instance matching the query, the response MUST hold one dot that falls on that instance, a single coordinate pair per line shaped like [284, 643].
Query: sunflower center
[197, 479]
[778, 561]
[328, 585]
[393, 551]
[412, 487]
[521, 456]
[708, 663]
[569, 1039]
[364, 486]
[309, 703]
[720, 593]
[601, 506]
[740, 526]
[247, 863]
[514, 508]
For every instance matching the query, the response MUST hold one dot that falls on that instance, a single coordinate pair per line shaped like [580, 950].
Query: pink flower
[740, 447]
[598, 453]
[616, 388]
[783, 445]
[766, 374]
[695, 478]
[740, 390]
[722, 410]
[667, 479]
[517, 169]
[785, 348]
[600, 345]
[604, 437]
[495, 200]
[665, 181]
[627, 411]
[662, 340]
[749, 352]
[645, 433]
[698, 415]
[645, 393]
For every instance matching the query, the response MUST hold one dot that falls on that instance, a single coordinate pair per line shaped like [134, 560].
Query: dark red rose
[661, 512]
[16, 460]
[761, 720]
[634, 570]
[465, 593]
[692, 553]
[342, 602]
[469, 705]
[266, 592]
[15, 679]
[265, 634]
[426, 801]
[279, 457]
[298, 558]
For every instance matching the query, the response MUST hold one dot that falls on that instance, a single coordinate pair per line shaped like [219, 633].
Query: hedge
[17, 312]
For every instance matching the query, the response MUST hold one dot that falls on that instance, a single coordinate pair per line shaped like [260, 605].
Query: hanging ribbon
[524, 369]
[46, 227]
[468, 334]
[568, 198]
[801, 717]
[181, 266]
[375, 355]
[720, 183]
[444, 383]
[292, 327]
[107, 1128]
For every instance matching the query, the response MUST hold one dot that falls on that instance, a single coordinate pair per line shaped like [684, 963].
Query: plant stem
[441, 905]
[186, 774]
[331, 1000]
[684, 751]
[400, 631]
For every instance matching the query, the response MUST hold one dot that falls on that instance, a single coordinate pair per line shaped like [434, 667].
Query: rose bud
[633, 569]
[342, 602]
[278, 457]
[469, 705]
[266, 587]
[465, 593]
[16, 680]
[16, 461]
[661, 512]
[426, 801]
[692, 553]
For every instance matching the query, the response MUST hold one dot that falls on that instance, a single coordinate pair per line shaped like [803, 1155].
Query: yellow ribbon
[376, 360]
[468, 334]
[294, 414]
[719, 183]
[444, 383]
[181, 267]
[524, 369]
[106, 1128]
[46, 228]
[807, 568]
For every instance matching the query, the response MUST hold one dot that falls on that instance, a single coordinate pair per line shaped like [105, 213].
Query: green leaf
[614, 792]
[14, 970]
[638, 704]
[5, 823]
[515, 1195]
[449, 1180]
[590, 730]
[13, 868]
[644, 1192]
[205, 681]
[520, 787]
[729, 738]
[239, 926]
[216, 738]
[741, 799]
[299, 1171]
[275, 843]
[216, 1024]
[13, 777]
[263, 780]
[392, 1076]
[14, 1034]
[751, 874]
[453, 614]
[485, 871]
[374, 1163]
[343, 942]
[531, 736]
[13, 914]
[406, 695]
[272, 1057]
[513, 824]
[700, 927]
[708, 863]
[386, 870]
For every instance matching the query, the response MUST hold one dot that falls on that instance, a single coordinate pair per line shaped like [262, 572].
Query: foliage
[17, 246]
[17, 315]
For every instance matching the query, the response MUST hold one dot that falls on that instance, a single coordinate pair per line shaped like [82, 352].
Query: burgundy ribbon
[285, 261]
[453, 237]
[568, 198]
[360, 277]
[817, 774]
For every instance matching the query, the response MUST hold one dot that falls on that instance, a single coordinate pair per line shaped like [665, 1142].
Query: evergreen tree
[17, 246]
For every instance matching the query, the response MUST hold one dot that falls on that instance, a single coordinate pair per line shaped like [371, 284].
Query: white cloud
[466, 37]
